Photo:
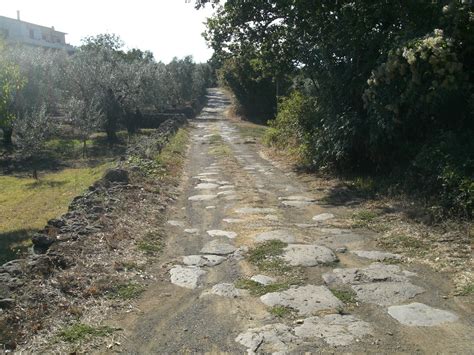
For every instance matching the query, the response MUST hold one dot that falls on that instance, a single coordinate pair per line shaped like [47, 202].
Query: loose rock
[263, 280]
[376, 255]
[202, 197]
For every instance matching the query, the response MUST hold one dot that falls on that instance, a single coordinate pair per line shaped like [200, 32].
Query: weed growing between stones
[266, 257]
[363, 218]
[80, 331]
[282, 311]
[258, 289]
[345, 295]
[151, 243]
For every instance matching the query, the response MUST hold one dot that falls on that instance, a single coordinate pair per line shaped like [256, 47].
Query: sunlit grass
[26, 203]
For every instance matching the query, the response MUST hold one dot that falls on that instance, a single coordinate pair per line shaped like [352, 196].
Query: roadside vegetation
[65, 118]
[379, 93]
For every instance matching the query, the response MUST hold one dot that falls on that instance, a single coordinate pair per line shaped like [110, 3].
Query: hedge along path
[267, 267]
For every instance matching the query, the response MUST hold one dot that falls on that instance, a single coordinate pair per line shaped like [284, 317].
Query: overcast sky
[168, 28]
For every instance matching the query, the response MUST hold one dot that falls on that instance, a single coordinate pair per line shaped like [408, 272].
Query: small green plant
[363, 218]
[127, 291]
[215, 138]
[281, 311]
[466, 290]
[80, 331]
[266, 256]
[346, 296]
[151, 243]
[257, 289]
[409, 245]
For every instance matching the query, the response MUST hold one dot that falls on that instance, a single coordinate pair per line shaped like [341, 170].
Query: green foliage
[253, 89]
[80, 331]
[378, 87]
[266, 256]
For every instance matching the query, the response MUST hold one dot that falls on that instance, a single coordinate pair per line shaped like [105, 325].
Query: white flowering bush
[421, 87]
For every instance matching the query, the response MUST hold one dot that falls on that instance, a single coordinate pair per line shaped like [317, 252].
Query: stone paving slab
[270, 338]
[334, 329]
[376, 255]
[217, 247]
[221, 233]
[308, 255]
[227, 290]
[203, 260]
[206, 186]
[375, 272]
[254, 210]
[280, 234]
[202, 197]
[187, 276]
[306, 300]
[420, 315]
[386, 293]
[323, 217]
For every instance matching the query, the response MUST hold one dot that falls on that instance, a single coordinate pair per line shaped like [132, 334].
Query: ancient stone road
[332, 290]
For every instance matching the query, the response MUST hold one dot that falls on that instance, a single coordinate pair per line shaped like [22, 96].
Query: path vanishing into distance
[255, 261]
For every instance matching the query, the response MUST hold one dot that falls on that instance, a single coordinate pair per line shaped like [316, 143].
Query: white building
[17, 31]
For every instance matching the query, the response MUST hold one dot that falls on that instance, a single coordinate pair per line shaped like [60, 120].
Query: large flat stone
[386, 293]
[203, 260]
[221, 233]
[202, 197]
[270, 338]
[206, 186]
[281, 235]
[175, 223]
[255, 210]
[376, 272]
[305, 299]
[297, 201]
[187, 276]
[420, 315]
[217, 247]
[228, 290]
[376, 255]
[323, 217]
[334, 329]
[308, 255]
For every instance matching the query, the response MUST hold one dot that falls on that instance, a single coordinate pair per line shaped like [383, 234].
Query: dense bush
[388, 86]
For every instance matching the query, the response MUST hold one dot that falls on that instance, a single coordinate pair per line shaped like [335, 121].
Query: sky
[168, 28]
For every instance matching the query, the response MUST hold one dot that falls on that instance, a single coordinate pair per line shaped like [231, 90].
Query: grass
[467, 290]
[151, 243]
[26, 203]
[172, 157]
[346, 296]
[215, 139]
[266, 256]
[252, 130]
[257, 289]
[405, 243]
[127, 291]
[363, 218]
[281, 311]
[80, 331]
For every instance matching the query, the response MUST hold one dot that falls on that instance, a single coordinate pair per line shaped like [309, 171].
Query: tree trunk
[84, 148]
[7, 136]
[35, 174]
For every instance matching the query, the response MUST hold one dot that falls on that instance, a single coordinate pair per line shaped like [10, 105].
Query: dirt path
[320, 289]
